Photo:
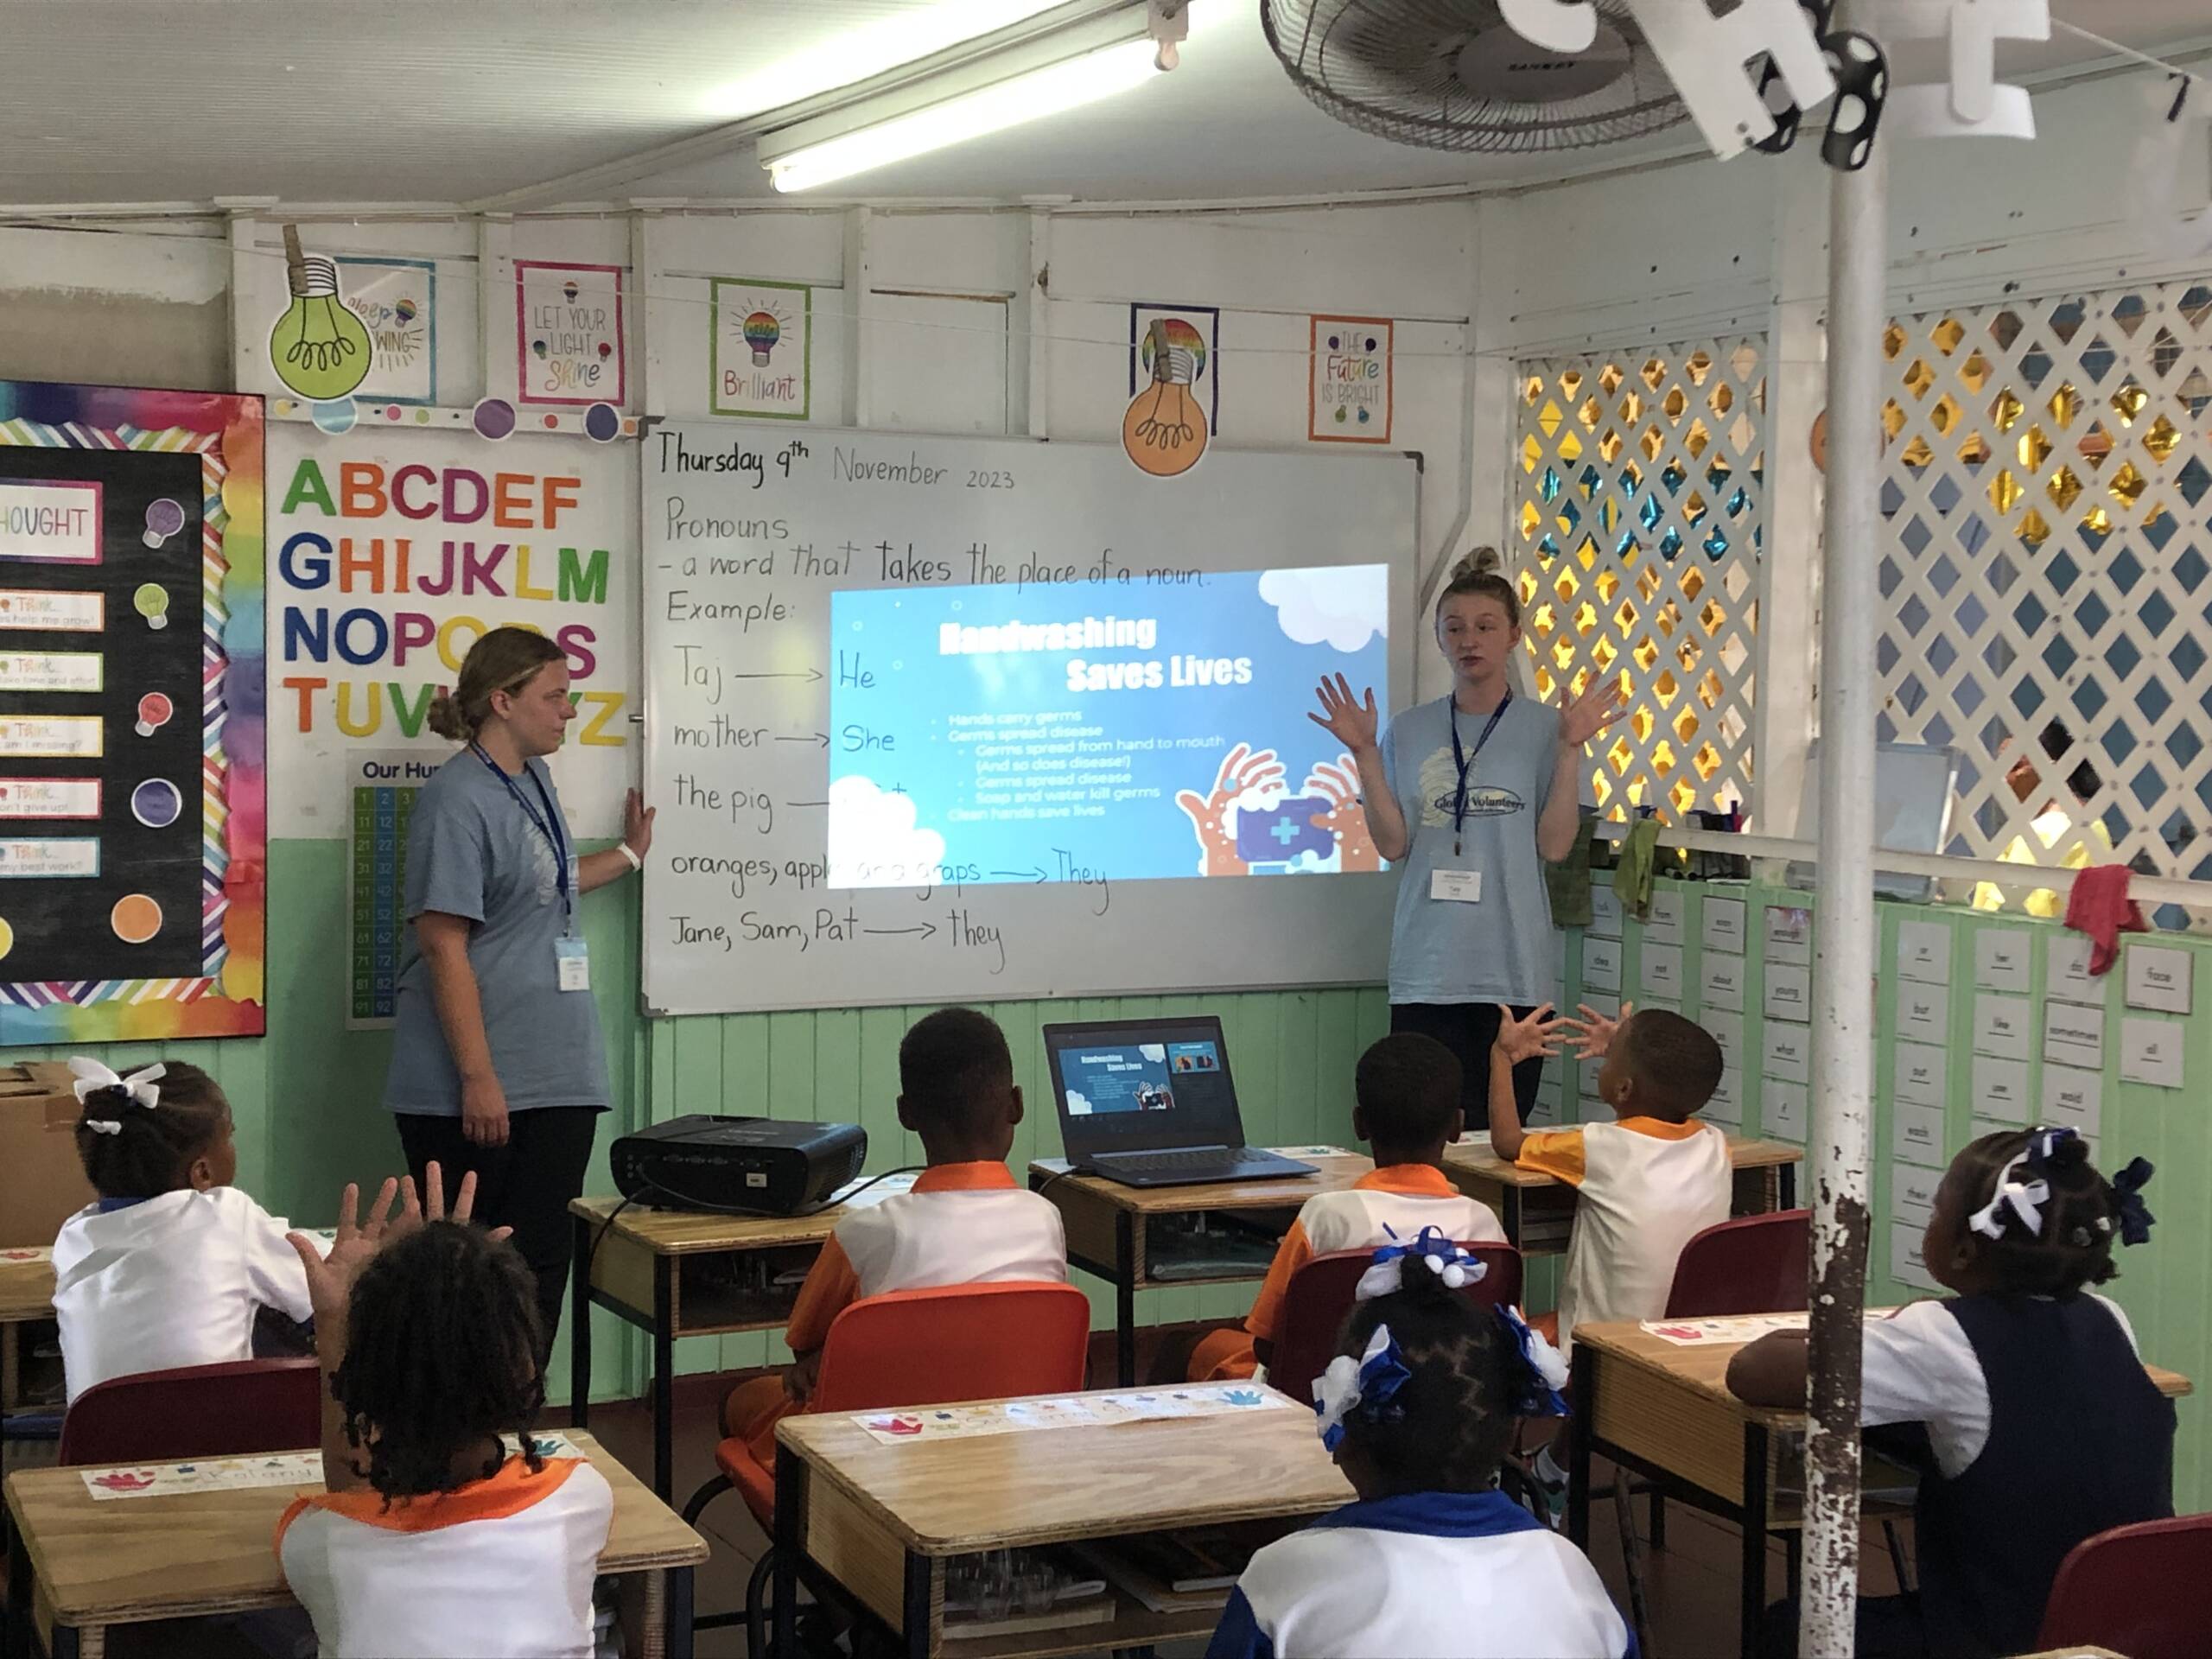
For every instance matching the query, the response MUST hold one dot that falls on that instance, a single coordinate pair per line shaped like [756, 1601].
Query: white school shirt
[1646, 1188]
[501, 1569]
[960, 1225]
[1919, 1367]
[168, 1281]
[1430, 1575]
[1395, 1202]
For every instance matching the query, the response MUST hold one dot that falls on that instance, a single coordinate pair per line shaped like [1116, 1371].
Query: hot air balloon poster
[568, 333]
[1194, 335]
[763, 349]
[398, 300]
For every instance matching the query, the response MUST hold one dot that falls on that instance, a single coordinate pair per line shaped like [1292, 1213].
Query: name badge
[1455, 887]
[574, 958]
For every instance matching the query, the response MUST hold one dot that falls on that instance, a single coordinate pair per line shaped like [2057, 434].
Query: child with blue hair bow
[1418, 1408]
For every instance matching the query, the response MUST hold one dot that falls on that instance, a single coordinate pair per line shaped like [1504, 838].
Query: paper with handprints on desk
[302, 1469]
[1066, 1411]
[1740, 1328]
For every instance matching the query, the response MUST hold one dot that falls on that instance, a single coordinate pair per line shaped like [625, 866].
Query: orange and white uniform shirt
[501, 1568]
[958, 1224]
[1395, 1202]
[1645, 1187]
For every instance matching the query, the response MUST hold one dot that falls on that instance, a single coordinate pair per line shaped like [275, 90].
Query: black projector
[755, 1165]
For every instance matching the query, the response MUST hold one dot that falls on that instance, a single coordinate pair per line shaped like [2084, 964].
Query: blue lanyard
[548, 825]
[1465, 761]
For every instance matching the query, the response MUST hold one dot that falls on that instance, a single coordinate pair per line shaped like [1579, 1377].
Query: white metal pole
[1843, 973]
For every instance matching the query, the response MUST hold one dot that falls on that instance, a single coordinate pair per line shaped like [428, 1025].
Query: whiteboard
[754, 536]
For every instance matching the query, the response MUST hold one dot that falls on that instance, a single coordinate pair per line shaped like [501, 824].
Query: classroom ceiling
[431, 101]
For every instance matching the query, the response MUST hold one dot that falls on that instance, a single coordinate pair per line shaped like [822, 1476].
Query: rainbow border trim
[229, 998]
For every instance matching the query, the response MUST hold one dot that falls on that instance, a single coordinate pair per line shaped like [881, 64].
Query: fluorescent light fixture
[859, 54]
[1010, 103]
[1082, 65]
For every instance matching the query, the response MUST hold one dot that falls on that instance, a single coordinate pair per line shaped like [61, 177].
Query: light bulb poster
[393, 551]
[317, 347]
[569, 345]
[396, 301]
[1349, 393]
[132, 764]
[1192, 329]
[761, 349]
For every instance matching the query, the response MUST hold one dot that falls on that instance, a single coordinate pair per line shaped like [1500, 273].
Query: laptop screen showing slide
[1142, 1085]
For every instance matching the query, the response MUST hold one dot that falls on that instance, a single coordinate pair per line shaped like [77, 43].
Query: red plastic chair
[230, 1410]
[915, 1348]
[1753, 1264]
[2145, 1590]
[1319, 1297]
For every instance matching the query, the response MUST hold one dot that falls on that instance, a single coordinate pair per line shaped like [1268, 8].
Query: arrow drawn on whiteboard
[820, 737]
[925, 930]
[1032, 874]
[808, 674]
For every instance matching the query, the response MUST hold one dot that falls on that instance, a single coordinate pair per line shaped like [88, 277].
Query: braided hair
[134, 1151]
[440, 1355]
[2072, 1246]
[1452, 1422]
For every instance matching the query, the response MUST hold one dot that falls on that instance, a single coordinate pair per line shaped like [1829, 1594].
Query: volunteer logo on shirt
[1439, 785]
[543, 869]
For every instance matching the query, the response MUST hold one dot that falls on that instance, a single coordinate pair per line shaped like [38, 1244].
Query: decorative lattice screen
[1641, 521]
[2043, 581]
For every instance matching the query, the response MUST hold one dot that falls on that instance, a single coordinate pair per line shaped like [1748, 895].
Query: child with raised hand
[169, 1266]
[1407, 1090]
[1432, 1560]
[1646, 1183]
[2041, 1427]
[432, 1540]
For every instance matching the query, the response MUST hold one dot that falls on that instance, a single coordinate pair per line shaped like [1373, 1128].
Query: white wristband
[623, 847]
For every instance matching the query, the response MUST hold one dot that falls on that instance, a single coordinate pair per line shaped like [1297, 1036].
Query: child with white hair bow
[169, 1266]
[1418, 1409]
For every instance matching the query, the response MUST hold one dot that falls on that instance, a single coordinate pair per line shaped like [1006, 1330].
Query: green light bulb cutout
[319, 348]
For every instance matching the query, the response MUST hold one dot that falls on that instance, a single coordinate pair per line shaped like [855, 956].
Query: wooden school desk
[26, 1297]
[882, 1519]
[673, 1273]
[1536, 1209]
[1106, 1223]
[1665, 1411]
[131, 1561]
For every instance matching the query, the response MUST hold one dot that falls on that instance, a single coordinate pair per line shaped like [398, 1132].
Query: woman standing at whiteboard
[499, 1065]
[1493, 785]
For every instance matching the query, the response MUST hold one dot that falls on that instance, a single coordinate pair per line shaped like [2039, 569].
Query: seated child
[1407, 1111]
[169, 1266]
[1646, 1183]
[1432, 1560]
[431, 1538]
[2042, 1428]
[966, 1222]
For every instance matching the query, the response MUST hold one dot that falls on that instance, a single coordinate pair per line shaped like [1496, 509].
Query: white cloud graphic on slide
[1079, 1104]
[873, 841]
[1338, 606]
[1156, 1052]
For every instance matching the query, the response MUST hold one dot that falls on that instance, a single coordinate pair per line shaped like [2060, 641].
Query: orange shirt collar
[981, 1177]
[510, 1491]
[1660, 1129]
[1414, 1180]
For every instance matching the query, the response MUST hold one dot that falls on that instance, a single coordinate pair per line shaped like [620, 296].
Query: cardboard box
[41, 1182]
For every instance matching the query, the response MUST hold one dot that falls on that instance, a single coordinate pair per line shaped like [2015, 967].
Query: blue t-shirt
[472, 851]
[1500, 948]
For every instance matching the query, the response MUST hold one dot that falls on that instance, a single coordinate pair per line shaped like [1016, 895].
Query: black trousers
[1469, 1029]
[526, 1185]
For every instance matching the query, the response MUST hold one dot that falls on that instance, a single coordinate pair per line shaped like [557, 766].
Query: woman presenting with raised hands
[499, 1068]
[1470, 796]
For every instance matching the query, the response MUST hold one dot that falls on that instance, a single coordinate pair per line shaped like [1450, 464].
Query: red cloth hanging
[2100, 906]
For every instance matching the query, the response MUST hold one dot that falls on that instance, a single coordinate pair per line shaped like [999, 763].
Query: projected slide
[1098, 732]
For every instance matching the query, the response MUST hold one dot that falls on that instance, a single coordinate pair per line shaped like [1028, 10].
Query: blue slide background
[890, 635]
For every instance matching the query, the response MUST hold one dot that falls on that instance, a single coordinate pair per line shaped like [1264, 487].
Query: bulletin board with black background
[132, 735]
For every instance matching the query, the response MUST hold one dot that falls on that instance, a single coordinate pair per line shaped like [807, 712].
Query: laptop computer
[1150, 1103]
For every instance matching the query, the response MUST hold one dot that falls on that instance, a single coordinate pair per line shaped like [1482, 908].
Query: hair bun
[2068, 1152]
[1477, 561]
